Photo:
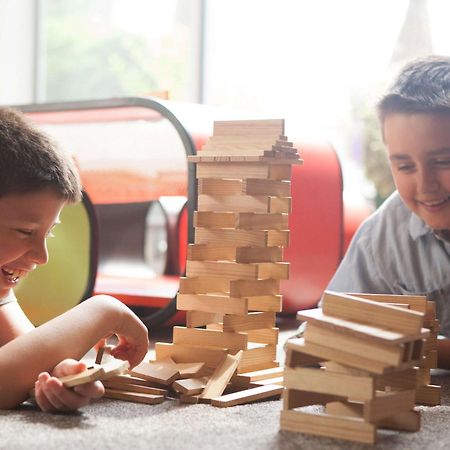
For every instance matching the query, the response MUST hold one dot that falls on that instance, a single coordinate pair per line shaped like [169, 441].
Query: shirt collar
[417, 227]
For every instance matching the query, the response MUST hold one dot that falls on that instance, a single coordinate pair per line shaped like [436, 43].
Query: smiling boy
[36, 181]
[404, 247]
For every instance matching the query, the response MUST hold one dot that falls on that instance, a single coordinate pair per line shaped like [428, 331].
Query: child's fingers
[68, 367]
[50, 388]
[90, 390]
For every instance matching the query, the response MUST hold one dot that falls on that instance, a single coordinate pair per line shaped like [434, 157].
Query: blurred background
[321, 64]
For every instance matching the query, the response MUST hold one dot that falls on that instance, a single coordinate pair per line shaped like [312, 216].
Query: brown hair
[30, 161]
[422, 86]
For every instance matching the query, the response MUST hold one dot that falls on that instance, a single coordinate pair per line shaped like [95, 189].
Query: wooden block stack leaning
[363, 361]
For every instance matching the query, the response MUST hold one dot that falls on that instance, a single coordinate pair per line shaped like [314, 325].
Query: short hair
[422, 86]
[30, 161]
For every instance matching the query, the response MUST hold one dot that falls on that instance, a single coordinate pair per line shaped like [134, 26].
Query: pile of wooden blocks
[231, 291]
[358, 358]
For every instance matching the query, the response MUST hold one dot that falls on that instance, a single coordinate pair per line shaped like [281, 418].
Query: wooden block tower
[231, 291]
[358, 359]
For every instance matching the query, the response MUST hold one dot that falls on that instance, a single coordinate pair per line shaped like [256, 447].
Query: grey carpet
[110, 424]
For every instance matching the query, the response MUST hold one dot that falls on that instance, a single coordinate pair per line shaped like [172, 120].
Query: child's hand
[52, 396]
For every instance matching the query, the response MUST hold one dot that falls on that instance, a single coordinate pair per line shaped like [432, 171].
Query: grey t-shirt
[8, 299]
[395, 252]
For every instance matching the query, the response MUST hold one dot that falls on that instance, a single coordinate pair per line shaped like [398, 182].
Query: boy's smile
[26, 221]
[419, 153]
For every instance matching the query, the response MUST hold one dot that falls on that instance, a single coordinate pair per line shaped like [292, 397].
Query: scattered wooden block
[247, 396]
[190, 386]
[164, 371]
[135, 397]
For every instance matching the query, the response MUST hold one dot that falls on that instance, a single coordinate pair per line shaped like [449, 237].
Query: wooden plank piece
[247, 396]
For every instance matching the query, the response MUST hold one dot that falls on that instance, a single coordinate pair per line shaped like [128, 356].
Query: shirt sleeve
[360, 269]
[8, 299]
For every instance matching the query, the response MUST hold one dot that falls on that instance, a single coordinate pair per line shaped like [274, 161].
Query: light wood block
[211, 338]
[250, 288]
[244, 203]
[128, 387]
[359, 330]
[203, 285]
[293, 398]
[324, 382]
[251, 321]
[267, 187]
[190, 370]
[200, 318]
[265, 303]
[258, 128]
[205, 252]
[429, 395]
[242, 238]
[221, 376]
[218, 186]
[240, 170]
[258, 254]
[218, 304]
[241, 220]
[258, 358]
[264, 336]
[385, 354]
[87, 376]
[324, 353]
[415, 302]
[211, 356]
[349, 428]
[247, 396]
[135, 397]
[295, 358]
[190, 386]
[265, 374]
[388, 404]
[373, 313]
[163, 371]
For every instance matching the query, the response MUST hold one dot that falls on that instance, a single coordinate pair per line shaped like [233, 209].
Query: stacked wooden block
[231, 291]
[426, 393]
[358, 359]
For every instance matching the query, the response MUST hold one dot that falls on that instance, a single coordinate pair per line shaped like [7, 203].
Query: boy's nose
[427, 182]
[39, 254]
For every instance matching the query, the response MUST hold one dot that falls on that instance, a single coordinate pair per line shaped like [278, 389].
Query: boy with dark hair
[36, 181]
[404, 247]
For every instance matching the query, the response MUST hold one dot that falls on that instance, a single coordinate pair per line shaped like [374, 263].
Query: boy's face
[419, 153]
[26, 220]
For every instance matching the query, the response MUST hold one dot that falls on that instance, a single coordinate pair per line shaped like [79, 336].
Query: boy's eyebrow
[440, 151]
[437, 152]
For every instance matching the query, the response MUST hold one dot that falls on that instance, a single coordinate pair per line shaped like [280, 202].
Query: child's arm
[70, 335]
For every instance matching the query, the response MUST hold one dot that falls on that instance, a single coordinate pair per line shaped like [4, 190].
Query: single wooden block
[217, 186]
[324, 353]
[190, 386]
[203, 285]
[324, 382]
[114, 368]
[349, 428]
[267, 187]
[387, 404]
[250, 288]
[221, 376]
[241, 170]
[251, 321]
[269, 221]
[163, 371]
[212, 338]
[359, 330]
[429, 395]
[211, 356]
[264, 374]
[190, 370]
[210, 303]
[224, 269]
[429, 360]
[415, 302]
[259, 357]
[387, 354]
[129, 379]
[205, 252]
[264, 336]
[277, 270]
[423, 376]
[372, 313]
[200, 318]
[265, 303]
[249, 127]
[87, 376]
[242, 238]
[128, 387]
[247, 396]
[136, 397]
[258, 254]
[106, 349]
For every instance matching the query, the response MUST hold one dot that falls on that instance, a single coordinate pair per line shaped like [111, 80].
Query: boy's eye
[405, 167]
[442, 162]
[24, 232]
